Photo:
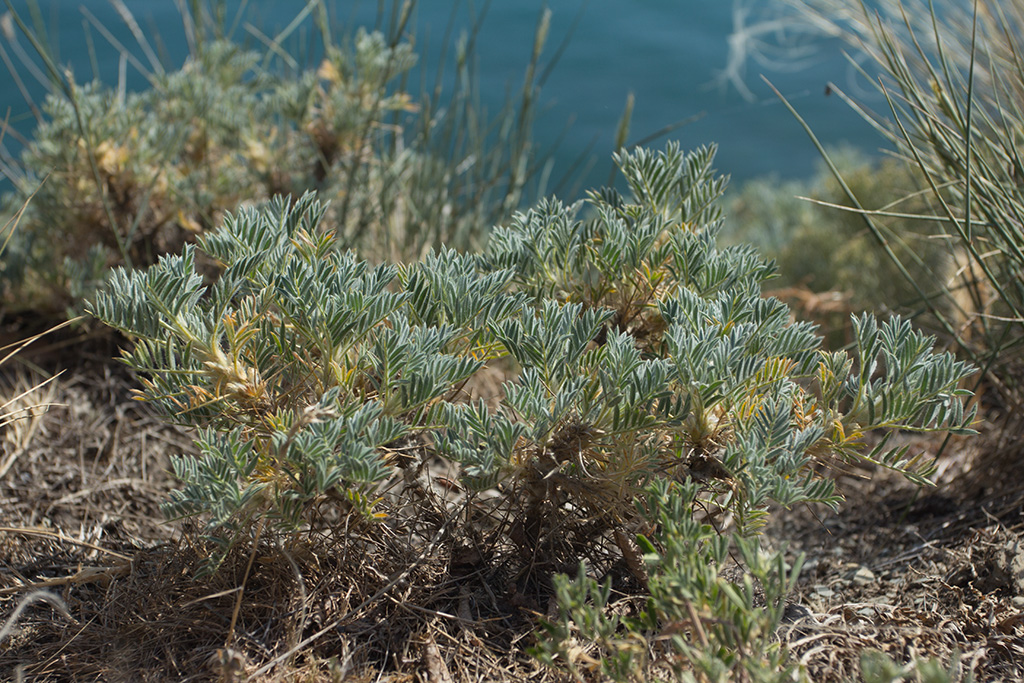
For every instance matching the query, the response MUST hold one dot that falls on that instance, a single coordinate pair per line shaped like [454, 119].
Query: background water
[669, 53]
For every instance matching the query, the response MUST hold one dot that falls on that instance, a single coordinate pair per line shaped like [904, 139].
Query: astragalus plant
[134, 175]
[636, 355]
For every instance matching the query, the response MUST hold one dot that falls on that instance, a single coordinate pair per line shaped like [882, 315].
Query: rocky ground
[913, 573]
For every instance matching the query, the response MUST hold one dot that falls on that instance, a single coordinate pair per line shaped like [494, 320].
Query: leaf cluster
[706, 627]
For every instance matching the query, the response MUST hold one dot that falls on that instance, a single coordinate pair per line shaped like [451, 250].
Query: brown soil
[914, 573]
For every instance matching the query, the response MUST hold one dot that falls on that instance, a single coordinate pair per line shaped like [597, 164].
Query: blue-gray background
[671, 54]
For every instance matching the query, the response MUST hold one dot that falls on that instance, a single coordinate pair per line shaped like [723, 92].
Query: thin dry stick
[35, 596]
[12, 224]
[85, 575]
[211, 596]
[697, 625]
[26, 531]
[25, 342]
[27, 413]
[241, 589]
[303, 594]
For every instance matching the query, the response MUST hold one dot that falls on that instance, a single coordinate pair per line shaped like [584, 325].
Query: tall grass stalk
[23, 401]
[952, 78]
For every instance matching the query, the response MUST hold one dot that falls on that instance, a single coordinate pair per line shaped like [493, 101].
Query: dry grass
[80, 520]
[420, 598]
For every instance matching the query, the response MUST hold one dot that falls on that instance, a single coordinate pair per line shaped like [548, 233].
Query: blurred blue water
[668, 53]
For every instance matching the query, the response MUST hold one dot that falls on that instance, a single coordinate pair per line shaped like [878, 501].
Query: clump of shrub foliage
[120, 179]
[824, 248]
[649, 389]
[828, 260]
